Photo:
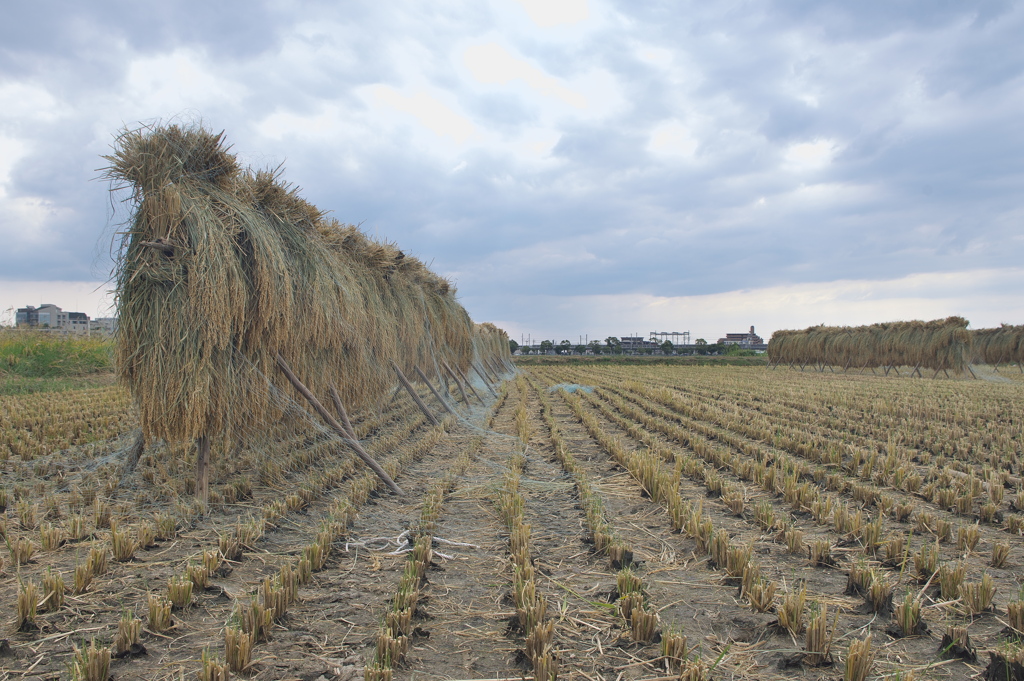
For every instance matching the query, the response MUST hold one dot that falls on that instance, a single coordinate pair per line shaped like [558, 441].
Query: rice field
[612, 522]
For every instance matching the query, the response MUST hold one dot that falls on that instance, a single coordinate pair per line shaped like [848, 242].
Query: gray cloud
[813, 141]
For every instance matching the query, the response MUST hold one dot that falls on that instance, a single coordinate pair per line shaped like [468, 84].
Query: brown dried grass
[939, 344]
[245, 268]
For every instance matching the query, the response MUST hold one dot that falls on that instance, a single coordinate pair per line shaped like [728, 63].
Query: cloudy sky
[575, 166]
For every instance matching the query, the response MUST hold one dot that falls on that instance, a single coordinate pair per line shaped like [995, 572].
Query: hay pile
[490, 345]
[222, 267]
[942, 344]
[1004, 344]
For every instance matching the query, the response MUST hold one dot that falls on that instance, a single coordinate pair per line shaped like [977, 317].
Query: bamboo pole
[337, 427]
[433, 390]
[492, 366]
[132, 459]
[480, 373]
[458, 381]
[415, 398]
[465, 379]
[468, 383]
[342, 412]
[496, 369]
[203, 471]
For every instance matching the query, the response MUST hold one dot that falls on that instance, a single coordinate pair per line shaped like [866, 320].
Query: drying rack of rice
[941, 345]
[1004, 344]
[232, 291]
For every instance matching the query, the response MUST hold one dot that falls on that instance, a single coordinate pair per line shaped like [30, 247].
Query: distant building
[78, 322]
[635, 343]
[50, 316]
[104, 325]
[26, 317]
[746, 340]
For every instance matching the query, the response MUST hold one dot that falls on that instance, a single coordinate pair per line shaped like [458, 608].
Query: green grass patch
[37, 354]
[21, 385]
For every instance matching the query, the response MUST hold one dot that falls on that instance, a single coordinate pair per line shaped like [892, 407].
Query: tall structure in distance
[742, 339]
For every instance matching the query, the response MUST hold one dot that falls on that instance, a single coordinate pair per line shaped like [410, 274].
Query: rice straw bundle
[940, 344]
[221, 267]
[1004, 344]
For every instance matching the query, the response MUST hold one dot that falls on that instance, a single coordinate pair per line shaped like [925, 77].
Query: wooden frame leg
[482, 375]
[457, 380]
[415, 397]
[430, 385]
[203, 471]
[337, 427]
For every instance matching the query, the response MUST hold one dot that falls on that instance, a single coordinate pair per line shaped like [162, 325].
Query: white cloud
[806, 156]
[538, 142]
[655, 56]
[29, 219]
[29, 102]
[550, 13]
[490, 63]
[172, 82]
[430, 111]
[672, 139]
[12, 150]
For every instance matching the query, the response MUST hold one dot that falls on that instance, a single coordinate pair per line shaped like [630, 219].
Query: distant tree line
[613, 346]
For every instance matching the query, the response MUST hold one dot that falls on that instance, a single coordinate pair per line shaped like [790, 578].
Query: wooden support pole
[433, 390]
[917, 370]
[165, 247]
[936, 373]
[974, 375]
[415, 398]
[480, 373]
[203, 471]
[132, 459]
[342, 412]
[458, 381]
[483, 372]
[492, 366]
[1020, 367]
[465, 380]
[337, 427]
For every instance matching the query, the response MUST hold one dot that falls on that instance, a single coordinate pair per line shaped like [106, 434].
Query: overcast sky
[575, 166]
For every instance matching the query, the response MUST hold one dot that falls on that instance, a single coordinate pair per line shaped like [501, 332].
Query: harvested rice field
[605, 522]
